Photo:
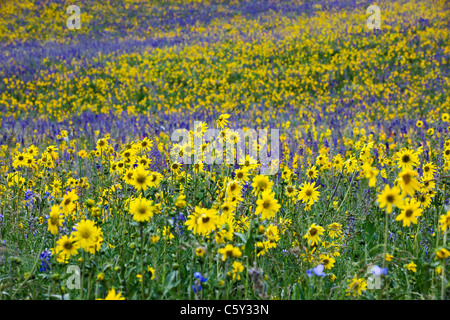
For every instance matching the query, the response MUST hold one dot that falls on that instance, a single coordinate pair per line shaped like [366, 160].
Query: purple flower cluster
[178, 223]
[197, 286]
[45, 260]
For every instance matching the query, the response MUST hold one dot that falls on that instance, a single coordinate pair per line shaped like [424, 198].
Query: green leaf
[302, 294]
[171, 282]
[248, 250]
[370, 231]
[242, 236]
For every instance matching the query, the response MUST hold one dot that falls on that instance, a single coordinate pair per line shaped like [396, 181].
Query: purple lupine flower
[45, 260]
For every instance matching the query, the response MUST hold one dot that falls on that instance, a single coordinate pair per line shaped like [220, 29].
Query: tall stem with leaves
[443, 269]
[386, 235]
[141, 228]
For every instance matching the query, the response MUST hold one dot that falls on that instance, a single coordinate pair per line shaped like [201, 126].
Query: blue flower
[200, 277]
[196, 289]
[318, 270]
[47, 196]
[197, 275]
[198, 283]
[379, 271]
[29, 195]
[45, 260]
[177, 225]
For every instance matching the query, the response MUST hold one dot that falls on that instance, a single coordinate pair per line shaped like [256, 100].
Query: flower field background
[358, 210]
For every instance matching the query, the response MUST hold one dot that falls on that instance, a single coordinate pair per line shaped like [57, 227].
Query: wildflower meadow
[224, 150]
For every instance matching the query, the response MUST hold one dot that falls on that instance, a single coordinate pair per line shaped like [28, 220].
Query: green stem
[349, 187]
[386, 233]
[332, 196]
[82, 274]
[33, 270]
[443, 269]
[142, 262]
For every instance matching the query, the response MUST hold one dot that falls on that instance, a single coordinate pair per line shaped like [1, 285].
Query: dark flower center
[262, 185]
[140, 179]
[85, 234]
[406, 178]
